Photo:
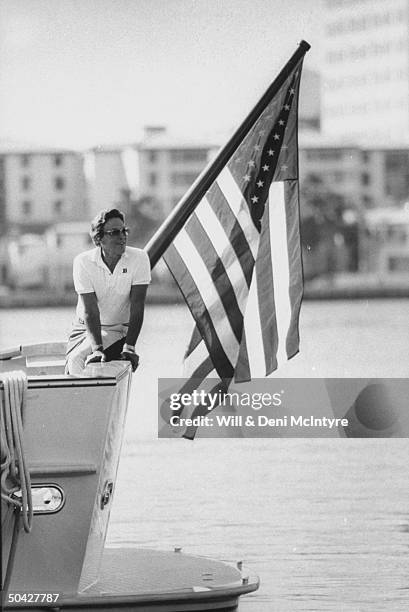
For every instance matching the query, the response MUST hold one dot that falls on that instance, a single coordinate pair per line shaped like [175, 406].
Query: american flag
[237, 260]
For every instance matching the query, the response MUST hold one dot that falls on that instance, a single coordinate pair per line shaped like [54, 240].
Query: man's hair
[97, 224]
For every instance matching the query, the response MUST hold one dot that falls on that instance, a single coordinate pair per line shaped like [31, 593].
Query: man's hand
[96, 356]
[132, 357]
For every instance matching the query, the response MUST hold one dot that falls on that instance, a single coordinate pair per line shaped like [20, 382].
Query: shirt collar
[97, 257]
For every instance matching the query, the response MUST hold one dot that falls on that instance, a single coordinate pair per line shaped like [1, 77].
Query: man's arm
[138, 295]
[92, 319]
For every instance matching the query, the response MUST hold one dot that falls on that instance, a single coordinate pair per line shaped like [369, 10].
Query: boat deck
[147, 580]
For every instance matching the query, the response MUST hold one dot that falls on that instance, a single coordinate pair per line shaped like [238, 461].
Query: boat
[54, 523]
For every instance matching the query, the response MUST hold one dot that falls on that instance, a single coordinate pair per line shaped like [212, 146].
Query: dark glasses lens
[117, 232]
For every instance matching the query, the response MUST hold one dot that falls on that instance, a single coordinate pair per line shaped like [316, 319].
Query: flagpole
[169, 229]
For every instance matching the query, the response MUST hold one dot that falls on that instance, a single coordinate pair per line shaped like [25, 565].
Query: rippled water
[324, 523]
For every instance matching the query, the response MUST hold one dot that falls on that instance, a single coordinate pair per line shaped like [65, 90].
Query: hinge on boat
[106, 493]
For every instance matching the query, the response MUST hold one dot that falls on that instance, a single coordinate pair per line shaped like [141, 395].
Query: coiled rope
[14, 472]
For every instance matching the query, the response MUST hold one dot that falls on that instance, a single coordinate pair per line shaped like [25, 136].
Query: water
[324, 523]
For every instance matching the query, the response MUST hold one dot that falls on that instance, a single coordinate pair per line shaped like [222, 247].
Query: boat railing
[35, 359]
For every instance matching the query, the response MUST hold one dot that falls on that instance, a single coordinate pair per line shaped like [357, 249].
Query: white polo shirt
[91, 275]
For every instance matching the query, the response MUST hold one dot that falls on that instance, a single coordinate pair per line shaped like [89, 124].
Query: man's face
[113, 241]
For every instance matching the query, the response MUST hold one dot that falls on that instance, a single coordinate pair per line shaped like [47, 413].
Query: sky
[76, 73]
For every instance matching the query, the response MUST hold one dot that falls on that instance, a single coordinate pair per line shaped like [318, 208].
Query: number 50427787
[32, 597]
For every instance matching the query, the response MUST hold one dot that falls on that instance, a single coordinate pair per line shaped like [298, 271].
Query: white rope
[14, 472]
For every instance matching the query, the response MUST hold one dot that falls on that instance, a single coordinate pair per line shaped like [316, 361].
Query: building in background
[168, 166]
[41, 187]
[367, 176]
[337, 166]
[65, 241]
[365, 70]
[2, 195]
[309, 112]
[111, 172]
[385, 242]
[49, 197]
[159, 168]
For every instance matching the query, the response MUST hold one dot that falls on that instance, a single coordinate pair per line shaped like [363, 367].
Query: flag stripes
[197, 305]
[280, 265]
[251, 358]
[266, 300]
[237, 260]
[235, 200]
[216, 252]
[295, 265]
[222, 280]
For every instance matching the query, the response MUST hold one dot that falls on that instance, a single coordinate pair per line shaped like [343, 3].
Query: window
[398, 264]
[365, 178]
[338, 176]
[396, 165]
[313, 178]
[189, 155]
[58, 206]
[58, 159]
[26, 208]
[25, 183]
[324, 154]
[25, 161]
[59, 183]
[397, 234]
[183, 179]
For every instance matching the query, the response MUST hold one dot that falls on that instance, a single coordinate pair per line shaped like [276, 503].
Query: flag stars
[247, 178]
[281, 122]
[252, 163]
[286, 107]
[276, 137]
[266, 168]
[292, 91]
[270, 152]
[260, 183]
[254, 199]
[256, 147]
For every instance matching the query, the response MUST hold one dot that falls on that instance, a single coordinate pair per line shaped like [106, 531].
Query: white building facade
[42, 187]
[367, 176]
[159, 167]
[168, 169]
[365, 71]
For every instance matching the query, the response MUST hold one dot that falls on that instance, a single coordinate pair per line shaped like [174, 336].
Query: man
[111, 281]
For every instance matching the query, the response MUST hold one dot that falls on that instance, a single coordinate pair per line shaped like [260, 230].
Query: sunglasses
[114, 233]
